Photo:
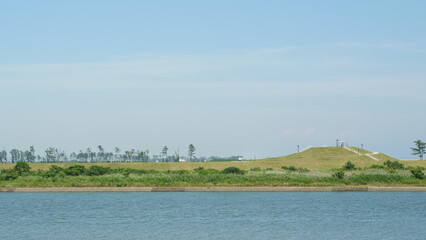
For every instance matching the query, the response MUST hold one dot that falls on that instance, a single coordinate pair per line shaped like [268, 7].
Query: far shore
[217, 189]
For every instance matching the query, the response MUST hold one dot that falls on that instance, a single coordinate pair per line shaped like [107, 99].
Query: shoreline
[216, 189]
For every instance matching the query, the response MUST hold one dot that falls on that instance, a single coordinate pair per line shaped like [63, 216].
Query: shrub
[289, 168]
[22, 168]
[349, 166]
[96, 170]
[269, 169]
[418, 173]
[339, 174]
[394, 165]
[75, 170]
[232, 170]
[53, 171]
[7, 176]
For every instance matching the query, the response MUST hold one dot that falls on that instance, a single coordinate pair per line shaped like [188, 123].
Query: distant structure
[340, 143]
[238, 158]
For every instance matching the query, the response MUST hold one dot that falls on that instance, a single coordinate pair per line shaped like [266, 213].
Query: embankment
[218, 189]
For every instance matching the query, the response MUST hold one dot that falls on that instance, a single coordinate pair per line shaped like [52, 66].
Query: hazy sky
[251, 78]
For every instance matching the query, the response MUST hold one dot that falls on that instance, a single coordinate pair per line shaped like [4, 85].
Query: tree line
[53, 155]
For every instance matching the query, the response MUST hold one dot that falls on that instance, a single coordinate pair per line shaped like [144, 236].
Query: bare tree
[191, 152]
[164, 152]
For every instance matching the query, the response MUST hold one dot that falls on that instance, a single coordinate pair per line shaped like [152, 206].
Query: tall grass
[97, 176]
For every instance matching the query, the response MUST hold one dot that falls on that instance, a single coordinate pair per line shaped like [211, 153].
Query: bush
[53, 171]
[289, 168]
[75, 170]
[96, 170]
[394, 165]
[349, 166]
[339, 174]
[418, 173]
[7, 175]
[232, 170]
[22, 168]
[255, 169]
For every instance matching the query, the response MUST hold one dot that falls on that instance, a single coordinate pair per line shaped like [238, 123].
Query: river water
[318, 215]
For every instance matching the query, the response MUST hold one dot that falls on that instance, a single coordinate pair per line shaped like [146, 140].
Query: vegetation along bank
[387, 173]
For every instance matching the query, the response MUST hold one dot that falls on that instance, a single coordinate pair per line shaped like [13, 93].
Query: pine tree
[420, 149]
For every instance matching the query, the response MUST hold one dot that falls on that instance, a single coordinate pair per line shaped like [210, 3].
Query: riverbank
[218, 189]
[390, 174]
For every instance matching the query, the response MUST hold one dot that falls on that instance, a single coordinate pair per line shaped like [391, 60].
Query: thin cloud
[254, 74]
[394, 46]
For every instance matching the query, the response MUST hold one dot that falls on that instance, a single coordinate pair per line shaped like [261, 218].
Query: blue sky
[253, 78]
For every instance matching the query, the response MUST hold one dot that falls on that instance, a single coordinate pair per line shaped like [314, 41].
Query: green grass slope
[360, 150]
[384, 157]
[323, 158]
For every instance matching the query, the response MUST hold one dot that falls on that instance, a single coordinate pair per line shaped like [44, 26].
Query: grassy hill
[318, 158]
[322, 158]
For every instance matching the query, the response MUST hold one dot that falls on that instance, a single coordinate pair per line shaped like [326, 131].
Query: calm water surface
[213, 216]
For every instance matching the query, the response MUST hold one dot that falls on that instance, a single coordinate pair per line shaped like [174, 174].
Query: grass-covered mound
[323, 158]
